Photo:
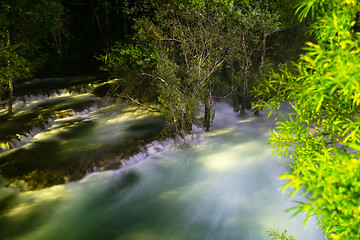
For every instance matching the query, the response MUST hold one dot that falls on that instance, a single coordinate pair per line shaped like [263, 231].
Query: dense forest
[179, 58]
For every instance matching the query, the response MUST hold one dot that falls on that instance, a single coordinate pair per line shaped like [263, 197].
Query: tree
[193, 39]
[185, 36]
[25, 28]
[195, 29]
[247, 27]
[12, 66]
[322, 135]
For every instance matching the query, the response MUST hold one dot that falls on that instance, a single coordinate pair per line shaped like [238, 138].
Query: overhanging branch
[138, 103]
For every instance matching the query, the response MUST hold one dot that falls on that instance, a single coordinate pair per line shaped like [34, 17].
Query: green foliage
[25, 30]
[129, 63]
[34, 24]
[275, 235]
[125, 58]
[181, 47]
[322, 136]
[20, 67]
[177, 51]
[251, 23]
[178, 105]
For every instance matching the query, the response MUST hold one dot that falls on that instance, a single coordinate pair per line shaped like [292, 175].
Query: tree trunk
[244, 99]
[235, 102]
[102, 32]
[187, 119]
[10, 79]
[234, 93]
[207, 116]
[245, 89]
[58, 45]
[262, 64]
[263, 55]
[10, 95]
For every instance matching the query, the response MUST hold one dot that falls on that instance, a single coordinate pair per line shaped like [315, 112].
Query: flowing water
[222, 184]
[58, 136]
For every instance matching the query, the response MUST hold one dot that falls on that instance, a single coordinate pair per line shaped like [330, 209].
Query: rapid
[222, 184]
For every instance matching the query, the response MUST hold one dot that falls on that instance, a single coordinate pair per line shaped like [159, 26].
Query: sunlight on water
[246, 120]
[130, 115]
[220, 162]
[33, 199]
[219, 132]
[227, 159]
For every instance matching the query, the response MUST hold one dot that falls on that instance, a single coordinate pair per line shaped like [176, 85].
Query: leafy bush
[322, 135]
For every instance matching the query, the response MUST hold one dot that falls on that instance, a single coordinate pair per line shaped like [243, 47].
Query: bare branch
[162, 80]
[138, 103]
[216, 65]
[156, 77]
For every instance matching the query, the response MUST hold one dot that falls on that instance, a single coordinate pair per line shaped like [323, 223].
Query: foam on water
[51, 124]
[27, 100]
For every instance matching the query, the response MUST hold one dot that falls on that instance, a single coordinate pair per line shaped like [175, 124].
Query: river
[222, 184]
